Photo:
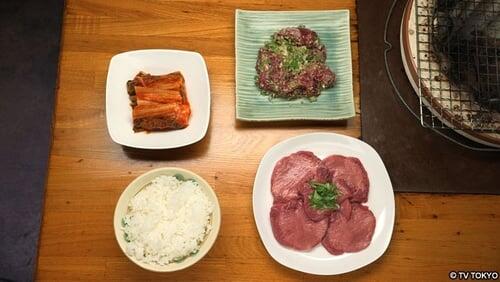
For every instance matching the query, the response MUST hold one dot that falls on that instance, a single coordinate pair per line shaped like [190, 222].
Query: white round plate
[380, 201]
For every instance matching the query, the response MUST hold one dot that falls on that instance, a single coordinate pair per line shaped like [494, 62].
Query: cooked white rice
[167, 221]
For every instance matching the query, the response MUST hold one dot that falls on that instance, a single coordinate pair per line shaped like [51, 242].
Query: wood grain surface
[433, 233]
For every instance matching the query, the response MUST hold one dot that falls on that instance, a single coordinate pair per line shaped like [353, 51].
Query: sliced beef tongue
[322, 175]
[343, 200]
[312, 213]
[317, 215]
[349, 231]
[344, 190]
[346, 209]
[352, 172]
[291, 173]
[293, 228]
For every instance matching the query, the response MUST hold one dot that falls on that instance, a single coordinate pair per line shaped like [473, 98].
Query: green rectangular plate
[254, 28]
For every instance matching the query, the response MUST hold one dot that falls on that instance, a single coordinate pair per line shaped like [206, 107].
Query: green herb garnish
[296, 58]
[179, 177]
[126, 237]
[324, 196]
[179, 259]
[312, 99]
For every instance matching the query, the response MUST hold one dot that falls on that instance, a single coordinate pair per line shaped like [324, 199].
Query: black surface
[29, 53]
[417, 159]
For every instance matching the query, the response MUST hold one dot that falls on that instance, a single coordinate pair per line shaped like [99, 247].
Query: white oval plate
[380, 202]
[125, 66]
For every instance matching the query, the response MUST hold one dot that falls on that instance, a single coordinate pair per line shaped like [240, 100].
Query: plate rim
[158, 147]
[392, 205]
[239, 116]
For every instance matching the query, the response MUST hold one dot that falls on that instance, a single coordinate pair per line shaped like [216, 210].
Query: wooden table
[433, 233]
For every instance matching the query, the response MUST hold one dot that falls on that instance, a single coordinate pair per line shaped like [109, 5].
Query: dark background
[29, 52]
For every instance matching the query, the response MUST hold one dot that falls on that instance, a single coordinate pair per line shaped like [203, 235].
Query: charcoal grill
[450, 51]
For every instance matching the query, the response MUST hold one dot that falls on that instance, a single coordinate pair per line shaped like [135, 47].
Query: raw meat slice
[344, 190]
[291, 173]
[292, 228]
[318, 215]
[346, 209]
[352, 172]
[322, 175]
[349, 232]
[312, 213]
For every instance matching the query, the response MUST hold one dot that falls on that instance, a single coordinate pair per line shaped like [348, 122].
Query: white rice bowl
[167, 221]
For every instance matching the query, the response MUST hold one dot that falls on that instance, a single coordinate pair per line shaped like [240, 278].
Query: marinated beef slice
[293, 228]
[300, 36]
[293, 65]
[352, 173]
[350, 230]
[291, 173]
